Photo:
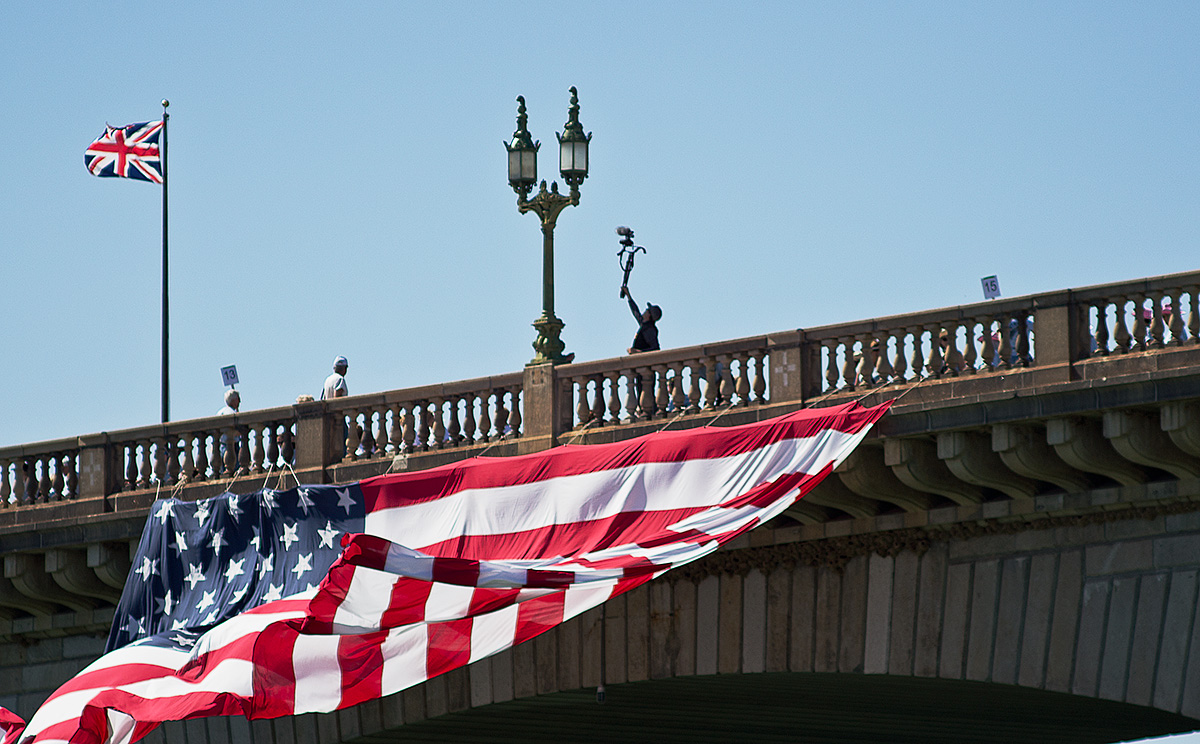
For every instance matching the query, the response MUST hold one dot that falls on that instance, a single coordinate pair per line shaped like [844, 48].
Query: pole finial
[166, 103]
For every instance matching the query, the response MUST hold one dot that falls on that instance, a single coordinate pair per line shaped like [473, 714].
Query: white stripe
[367, 598]
[590, 496]
[493, 632]
[404, 652]
[318, 673]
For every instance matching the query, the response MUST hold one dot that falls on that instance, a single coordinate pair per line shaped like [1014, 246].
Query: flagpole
[166, 385]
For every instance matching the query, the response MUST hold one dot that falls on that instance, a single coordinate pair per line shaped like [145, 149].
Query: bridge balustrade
[1057, 333]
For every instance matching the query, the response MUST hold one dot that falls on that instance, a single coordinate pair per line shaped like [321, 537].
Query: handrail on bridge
[1053, 332]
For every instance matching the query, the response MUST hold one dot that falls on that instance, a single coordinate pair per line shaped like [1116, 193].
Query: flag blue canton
[202, 562]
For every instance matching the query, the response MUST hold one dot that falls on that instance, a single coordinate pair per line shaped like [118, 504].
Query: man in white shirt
[335, 384]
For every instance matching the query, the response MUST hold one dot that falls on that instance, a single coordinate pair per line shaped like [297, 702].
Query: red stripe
[407, 604]
[456, 571]
[538, 615]
[274, 671]
[361, 662]
[400, 489]
[449, 646]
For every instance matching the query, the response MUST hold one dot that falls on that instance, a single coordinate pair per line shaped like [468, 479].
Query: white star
[210, 618]
[274, 593]
[303, 501]
[179, 624]
[148, 568]
[289, 536]
[201, 512]
[268, 501]
[256, 541]
[183, 640]
[345, 501]
[195, 575]
[206, 601]
[235, 510]
[303, 565]
[165, 509]
[166, 605]
[180, 545]
[218, 541]
[264, 568]
[237, 595]
[327, 535]
[235, 569]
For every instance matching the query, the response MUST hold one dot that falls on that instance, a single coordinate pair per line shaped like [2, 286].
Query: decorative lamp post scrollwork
[547, 204]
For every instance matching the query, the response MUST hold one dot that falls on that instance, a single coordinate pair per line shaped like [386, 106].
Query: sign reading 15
[991, 287]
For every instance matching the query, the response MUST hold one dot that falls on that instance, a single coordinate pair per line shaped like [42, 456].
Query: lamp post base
[548, 345]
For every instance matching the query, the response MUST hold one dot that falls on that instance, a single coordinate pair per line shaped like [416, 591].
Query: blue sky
[338, 181]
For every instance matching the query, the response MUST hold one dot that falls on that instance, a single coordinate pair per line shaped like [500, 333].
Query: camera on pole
[626, 254]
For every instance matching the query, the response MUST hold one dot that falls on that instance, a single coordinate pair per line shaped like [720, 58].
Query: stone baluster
[381, 431]
[71, 470]
[712, 383]
[160, 461]
[849, 363]
[1140, 326]
[599, 405]
[229, 455]
[257, 447]
[408, 428]
[501, 414]
[662, 395]
[485, 417]
[454, 430]
[1006, 347]
[726, 387]
[1175, 319]
[933, 363]
[366, 442]
[971, 349]
[583, 407]
[679, 399]
[1156, 321]
[631, 399]
[396, 429]
[273, 446]
[171, 450]
[289, 445]
[200, 463]
[421, 413]
[131, 472]
[29, 483]
[613, 397]
[1100, 338]
[899, 371]
[469, 421]
[57, 481]
[916, 360]
[881, 371]
[243, 450]
[831, 366]
[514, 415]
[741, 385]
[1024, 348]
[5, 488]
[188, 468]
[1121, 336]
[438, 423]
[353, 433]
[864, 362]
[695, 391]
[1190, 333]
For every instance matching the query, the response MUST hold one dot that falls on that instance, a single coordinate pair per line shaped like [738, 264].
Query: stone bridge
[1013, 555]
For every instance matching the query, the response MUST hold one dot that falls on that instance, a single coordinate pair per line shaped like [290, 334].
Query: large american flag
[127, 152]
[316, 598]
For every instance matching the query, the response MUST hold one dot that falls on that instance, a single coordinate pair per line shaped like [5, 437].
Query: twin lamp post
[522, 174]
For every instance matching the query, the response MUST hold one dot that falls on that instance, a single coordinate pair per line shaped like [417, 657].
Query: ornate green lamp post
[522, 174]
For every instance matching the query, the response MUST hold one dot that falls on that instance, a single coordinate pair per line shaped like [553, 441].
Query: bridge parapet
[1028, 400]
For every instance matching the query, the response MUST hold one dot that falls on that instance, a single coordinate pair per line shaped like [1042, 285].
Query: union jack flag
[127, 152]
